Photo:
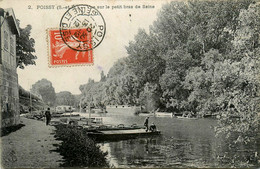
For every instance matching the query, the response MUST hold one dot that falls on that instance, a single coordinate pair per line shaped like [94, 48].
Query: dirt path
[30, 147]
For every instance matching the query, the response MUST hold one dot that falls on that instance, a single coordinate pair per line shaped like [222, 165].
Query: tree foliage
[44, 88]
[199, 56]
[25, 47]
[65, 98]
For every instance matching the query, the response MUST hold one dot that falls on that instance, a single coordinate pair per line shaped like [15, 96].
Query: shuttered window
[6, 40]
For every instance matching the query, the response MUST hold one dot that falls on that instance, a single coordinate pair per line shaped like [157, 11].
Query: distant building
[9, 91]
[125, 109]
[63, 109]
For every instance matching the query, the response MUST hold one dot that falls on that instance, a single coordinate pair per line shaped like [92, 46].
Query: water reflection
[183, 143]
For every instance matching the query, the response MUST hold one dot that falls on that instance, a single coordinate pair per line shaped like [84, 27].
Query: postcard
[129, 83]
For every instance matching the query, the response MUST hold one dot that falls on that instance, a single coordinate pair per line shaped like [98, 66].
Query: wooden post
[30, 100]
[89, 114]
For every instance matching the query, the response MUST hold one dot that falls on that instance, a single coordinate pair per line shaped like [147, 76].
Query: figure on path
[48, 116]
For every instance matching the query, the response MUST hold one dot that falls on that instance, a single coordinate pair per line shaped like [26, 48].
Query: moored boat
[163, 114]
[122, 134]
[98, 111]
[188, 115]
[188, 118]
[64, 109]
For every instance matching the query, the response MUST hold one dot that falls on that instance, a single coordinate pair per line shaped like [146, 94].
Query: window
[6, 40]
[11, 45]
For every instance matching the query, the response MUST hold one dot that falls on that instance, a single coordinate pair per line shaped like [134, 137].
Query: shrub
[77, 149]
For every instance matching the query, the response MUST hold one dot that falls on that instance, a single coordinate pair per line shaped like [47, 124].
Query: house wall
[9, 92]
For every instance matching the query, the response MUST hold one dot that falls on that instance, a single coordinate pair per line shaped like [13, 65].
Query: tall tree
[102, 76]
[45, 89]
[177, 63]
[65, 98]
[240, 79]
[25, 47]
[144, 58]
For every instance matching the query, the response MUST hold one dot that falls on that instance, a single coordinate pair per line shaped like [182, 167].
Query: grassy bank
[77, 149]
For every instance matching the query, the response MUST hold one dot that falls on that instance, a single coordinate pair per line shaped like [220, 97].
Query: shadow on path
[7, 130]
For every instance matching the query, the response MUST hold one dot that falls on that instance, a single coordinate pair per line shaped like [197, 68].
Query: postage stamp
[61, 54]
[82, 28]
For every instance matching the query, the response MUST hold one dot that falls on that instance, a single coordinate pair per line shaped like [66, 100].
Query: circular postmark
[82, 27]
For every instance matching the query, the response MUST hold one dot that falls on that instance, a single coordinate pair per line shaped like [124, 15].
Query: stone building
[9, 91]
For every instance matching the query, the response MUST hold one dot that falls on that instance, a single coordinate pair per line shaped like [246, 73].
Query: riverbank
[77, 149]
[32, 146]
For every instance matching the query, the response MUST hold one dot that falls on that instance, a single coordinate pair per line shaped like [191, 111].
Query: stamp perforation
[61, 65]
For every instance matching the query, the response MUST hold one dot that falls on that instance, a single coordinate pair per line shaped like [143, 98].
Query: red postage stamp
[70, 47]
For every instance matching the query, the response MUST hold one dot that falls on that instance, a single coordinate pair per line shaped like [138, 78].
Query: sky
[121, 27]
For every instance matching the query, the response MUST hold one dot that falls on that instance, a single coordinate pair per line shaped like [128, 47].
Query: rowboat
[107, 127]
[109, 135]
[146, 114]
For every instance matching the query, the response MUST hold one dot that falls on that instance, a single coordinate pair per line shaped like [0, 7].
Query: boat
[65, 115]
[102, 127]
[146, 114]
[121, 134]
[64, 109]
[163, 114]
[188, 118]
[98, 111]
[188, 115]
[94, 120]
[122, 109]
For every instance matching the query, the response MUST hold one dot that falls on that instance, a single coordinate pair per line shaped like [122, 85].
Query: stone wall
[9, 91]
[9, 100]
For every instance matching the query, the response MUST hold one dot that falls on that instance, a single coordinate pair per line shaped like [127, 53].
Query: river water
[183, 143]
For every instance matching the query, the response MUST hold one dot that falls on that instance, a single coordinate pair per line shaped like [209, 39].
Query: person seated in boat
[153, 127]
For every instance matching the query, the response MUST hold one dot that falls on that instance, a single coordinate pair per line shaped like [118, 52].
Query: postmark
[77, 22]
[60, 54]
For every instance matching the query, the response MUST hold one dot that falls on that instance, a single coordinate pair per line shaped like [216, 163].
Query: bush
[77, 149]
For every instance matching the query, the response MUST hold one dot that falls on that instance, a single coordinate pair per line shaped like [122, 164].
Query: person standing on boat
[146, 121]
[48, 116]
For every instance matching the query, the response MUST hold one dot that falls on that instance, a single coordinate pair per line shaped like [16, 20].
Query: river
[183, 143]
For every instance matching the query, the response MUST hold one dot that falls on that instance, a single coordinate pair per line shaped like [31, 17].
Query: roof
[11, 19]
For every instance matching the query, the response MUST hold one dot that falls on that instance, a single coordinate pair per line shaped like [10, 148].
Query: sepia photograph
[129, 83]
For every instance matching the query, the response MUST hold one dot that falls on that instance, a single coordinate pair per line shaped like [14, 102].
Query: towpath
[30, 147]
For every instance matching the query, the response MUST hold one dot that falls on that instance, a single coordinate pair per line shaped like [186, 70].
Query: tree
[177, 63]
[150, 97]
[199, 81]
[65, 98]
[144, 58]
[25, 47]
[240, 80]
[45, 89]
[102, 76]
[122, 86]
